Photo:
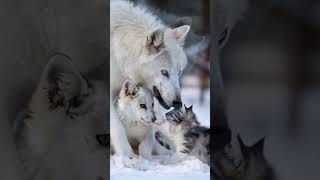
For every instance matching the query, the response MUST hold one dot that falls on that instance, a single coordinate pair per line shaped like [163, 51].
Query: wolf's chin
[157, 94]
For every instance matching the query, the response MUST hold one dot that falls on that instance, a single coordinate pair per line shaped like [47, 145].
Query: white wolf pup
[57, 138]
[134, 107]
[150, 53]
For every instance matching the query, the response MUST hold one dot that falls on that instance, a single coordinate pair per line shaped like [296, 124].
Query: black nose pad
[177, 104]
[153, 119]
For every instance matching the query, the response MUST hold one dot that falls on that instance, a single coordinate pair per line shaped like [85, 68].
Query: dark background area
[30, 32]
[271, 70]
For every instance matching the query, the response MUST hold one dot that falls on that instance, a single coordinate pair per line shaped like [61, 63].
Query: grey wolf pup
[188, 137]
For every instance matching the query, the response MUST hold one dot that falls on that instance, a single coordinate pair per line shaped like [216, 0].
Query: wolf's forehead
[177, 57]
[163, 60]
[145, 96]
[174, 59]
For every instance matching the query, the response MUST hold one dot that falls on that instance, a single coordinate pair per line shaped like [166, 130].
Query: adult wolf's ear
[154, 42]
[62, 81]
[180, 33]
[130, 88]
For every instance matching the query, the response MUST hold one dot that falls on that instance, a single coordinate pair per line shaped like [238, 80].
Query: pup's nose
[153, 119]
[177, 104]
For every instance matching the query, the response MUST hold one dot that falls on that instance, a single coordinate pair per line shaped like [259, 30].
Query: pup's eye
[152, 104]
[165, 73]
[179, 74]
[143, 106]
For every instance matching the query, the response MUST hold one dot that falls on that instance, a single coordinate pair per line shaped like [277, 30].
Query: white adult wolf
[150, 53]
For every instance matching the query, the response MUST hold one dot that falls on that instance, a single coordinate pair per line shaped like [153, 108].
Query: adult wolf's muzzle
[177, 103]
[157, 94]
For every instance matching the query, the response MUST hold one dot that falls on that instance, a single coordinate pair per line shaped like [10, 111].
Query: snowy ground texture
[122, 168]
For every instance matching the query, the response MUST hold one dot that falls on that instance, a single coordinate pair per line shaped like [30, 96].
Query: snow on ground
[138, 169]
[161, 167]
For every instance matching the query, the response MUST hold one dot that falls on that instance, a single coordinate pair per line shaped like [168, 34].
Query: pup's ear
[188, 111]
[130, 88]
[180, 33]
[62, 81]
[154, 41]
[189, 108]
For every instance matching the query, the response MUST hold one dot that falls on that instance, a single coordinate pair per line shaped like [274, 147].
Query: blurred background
[195, 79]
[271, 70]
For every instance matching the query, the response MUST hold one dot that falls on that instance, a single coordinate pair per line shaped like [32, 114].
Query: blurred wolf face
[253, 165]
[62, 134]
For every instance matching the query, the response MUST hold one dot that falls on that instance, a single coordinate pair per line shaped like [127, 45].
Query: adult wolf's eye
[152, 104]
[179, 74]
[165, 73]
[143, 106]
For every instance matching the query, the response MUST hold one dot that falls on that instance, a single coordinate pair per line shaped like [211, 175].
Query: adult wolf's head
[136, 103]
[161, 63]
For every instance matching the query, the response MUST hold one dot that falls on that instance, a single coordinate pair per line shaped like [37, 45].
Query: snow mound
[123, 168]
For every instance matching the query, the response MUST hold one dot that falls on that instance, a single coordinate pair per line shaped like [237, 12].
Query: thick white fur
[137, 121]
[130, 28]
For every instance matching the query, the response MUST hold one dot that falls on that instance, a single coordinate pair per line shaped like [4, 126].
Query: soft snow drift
[164, 167]
[124, 168]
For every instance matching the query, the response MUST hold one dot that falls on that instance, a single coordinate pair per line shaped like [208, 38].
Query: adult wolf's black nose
[177, 104]
[153, 119]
